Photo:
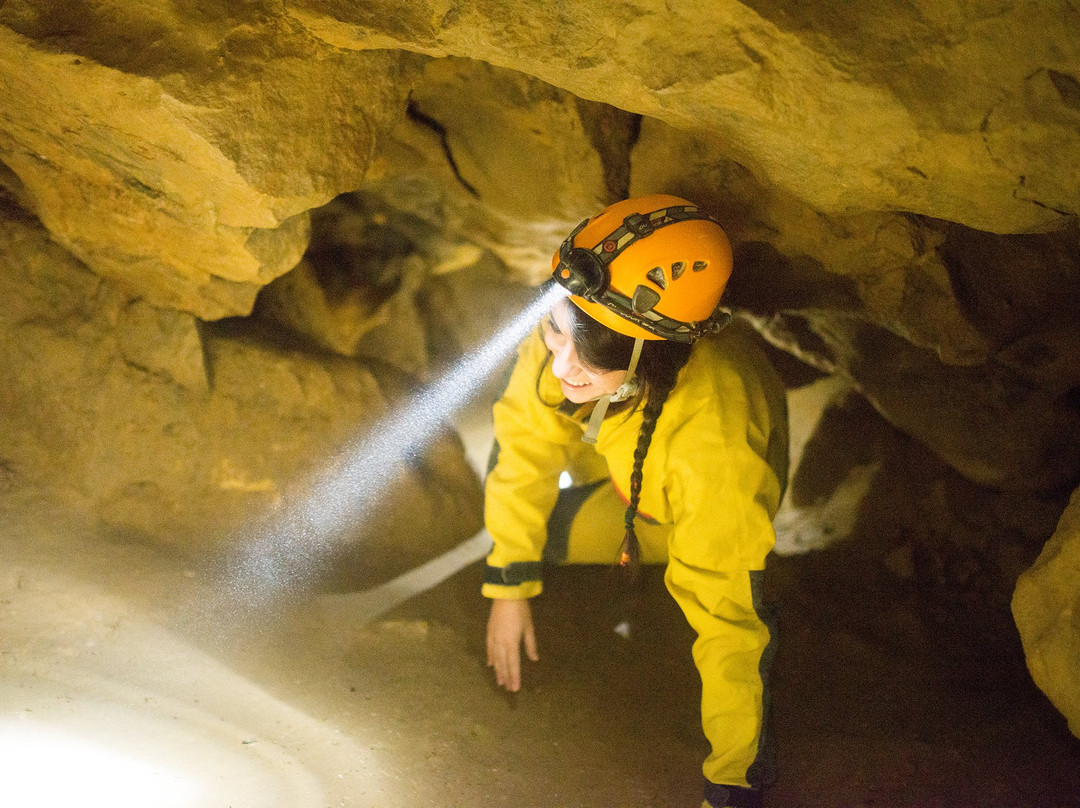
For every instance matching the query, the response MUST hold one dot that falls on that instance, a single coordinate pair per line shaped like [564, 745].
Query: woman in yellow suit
[683, 438]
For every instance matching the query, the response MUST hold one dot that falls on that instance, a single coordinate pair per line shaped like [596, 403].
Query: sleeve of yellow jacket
[522, 486]
[723, 495]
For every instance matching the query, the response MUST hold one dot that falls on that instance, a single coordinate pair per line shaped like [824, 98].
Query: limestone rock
[104, 402]
[398, 336]
[501, 160]
[826, 488]
[954, 112]
[183, 170]
[884, 264]
[464, 309]
[358, 321]
[907, 553]
[386, 285]
[1023, 293]
[355, 292]
[989, 423]
[1049, 359]
[162, 341]
[1046, 606]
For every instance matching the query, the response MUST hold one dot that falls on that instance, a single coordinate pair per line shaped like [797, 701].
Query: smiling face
[580, 383]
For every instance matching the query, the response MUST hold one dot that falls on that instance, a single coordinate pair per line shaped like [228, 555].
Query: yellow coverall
[712, 481]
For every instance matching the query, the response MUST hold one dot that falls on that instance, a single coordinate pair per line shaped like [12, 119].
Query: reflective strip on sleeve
[720, 796]
[513, 574]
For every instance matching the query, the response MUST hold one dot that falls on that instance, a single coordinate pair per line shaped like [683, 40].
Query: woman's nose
[564, 361]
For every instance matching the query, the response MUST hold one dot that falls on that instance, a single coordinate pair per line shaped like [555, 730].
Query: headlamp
[585, 273]
[580, 271]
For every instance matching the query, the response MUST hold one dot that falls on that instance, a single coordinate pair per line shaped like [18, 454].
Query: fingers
[506, 660]
[509, 627]
[513, 670]
[498, 653]
[531, 647]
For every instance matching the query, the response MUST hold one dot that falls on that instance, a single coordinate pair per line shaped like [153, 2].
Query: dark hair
[658, 370]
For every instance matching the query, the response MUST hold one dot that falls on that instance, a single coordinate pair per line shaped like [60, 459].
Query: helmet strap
[628, 388]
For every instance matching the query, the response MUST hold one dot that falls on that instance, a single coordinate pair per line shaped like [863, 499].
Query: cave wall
[899, 182]
[180, 434]
[1045, 605]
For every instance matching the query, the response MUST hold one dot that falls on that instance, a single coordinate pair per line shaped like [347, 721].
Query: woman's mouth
[569, 383]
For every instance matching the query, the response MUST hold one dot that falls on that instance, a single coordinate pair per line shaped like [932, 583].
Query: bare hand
[509, 626]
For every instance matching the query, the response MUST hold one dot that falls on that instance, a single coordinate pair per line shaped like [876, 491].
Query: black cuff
[720, 796]
[517, 572]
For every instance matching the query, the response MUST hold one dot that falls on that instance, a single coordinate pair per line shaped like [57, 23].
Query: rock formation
[376, 180]
[1045, 607]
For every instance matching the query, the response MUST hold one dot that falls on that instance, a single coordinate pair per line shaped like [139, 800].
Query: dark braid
[630, 556]
[662, 369]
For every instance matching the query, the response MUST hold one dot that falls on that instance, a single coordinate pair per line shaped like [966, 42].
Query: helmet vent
[644, 299]
[656, 275]
[677, 269]
[700, 265]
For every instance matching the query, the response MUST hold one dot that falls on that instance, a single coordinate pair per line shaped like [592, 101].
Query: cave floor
[111, 695]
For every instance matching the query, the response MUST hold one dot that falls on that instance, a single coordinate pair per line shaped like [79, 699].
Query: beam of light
[284, 552]
[45, 768]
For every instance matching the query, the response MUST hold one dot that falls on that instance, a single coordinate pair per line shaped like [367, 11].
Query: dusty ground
[129, 678]
[115, 692]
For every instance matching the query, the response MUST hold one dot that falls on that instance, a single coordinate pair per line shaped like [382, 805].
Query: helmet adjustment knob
[644, 299]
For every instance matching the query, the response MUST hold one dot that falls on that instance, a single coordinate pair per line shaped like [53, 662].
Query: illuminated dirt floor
[111, 694]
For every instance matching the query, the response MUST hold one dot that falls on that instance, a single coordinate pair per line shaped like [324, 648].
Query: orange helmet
[653, 267]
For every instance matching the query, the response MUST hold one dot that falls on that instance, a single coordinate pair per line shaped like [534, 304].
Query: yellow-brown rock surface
[900, 184]
[176, 436]
[940, 110]
[178, 155]
[1046, 606]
